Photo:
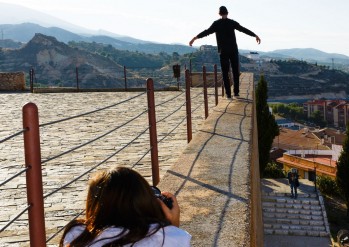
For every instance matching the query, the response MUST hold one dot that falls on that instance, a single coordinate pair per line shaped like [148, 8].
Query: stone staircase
[304, 216]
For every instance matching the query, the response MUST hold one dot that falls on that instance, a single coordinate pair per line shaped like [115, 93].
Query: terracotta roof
[338, 137]
[298, 139]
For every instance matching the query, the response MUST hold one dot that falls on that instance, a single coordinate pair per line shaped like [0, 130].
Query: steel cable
[171, 113]
[55, 234]
[95, 139]
[13, 135]
[166, 101]
[94, 111]
[15, 218]
[14, 176]
[94, 167]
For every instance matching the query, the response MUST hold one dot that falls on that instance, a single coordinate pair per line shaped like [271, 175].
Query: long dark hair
[121, 198]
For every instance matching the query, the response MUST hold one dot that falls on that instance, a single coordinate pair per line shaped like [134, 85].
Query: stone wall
[256, 226]
[12, 81]
[197, 81]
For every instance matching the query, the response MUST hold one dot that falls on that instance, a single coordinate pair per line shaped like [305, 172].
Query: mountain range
[27, 22]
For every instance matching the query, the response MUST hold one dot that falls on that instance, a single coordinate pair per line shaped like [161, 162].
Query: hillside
[26, 31]
[101, 66]
[55, 63]
[299, 79]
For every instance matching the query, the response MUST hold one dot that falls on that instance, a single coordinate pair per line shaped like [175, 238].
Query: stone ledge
[211, 179]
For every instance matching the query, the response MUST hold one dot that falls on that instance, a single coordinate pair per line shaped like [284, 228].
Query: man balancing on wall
[227, 47]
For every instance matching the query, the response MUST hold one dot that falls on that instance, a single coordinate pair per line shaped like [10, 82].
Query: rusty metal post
[77, 79]
[34, 176]
[31, 79]
[190, 70]
[188, 105]
[215, 84]
[125, 78]
[205, 90]
[153, 132]
[222, 87]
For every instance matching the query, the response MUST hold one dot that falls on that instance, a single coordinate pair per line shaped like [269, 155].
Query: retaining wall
[12, 81]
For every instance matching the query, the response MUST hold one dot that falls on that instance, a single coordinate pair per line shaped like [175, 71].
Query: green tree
[267, 127]
[317, 118]
[343, 170]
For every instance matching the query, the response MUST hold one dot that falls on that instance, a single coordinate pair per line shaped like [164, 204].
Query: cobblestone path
[62, 206]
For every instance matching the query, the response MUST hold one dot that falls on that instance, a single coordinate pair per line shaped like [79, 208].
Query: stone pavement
[212, 176]
[60, 137]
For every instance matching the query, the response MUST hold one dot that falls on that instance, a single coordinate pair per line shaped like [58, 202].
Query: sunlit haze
[281, 24]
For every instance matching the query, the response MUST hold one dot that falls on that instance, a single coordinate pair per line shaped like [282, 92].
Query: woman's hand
[172, 214]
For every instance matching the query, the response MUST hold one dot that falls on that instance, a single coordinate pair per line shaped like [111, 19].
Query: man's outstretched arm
[258, 39]
[192, 41]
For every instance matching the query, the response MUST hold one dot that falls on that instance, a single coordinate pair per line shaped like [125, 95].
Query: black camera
[168, 201]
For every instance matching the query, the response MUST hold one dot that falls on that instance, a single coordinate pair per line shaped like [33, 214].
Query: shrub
[272, 170]
[327, 186]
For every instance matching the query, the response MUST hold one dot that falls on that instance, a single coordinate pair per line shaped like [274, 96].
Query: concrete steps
[304, 216]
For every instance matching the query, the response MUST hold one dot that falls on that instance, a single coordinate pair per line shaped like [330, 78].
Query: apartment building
[334, 112]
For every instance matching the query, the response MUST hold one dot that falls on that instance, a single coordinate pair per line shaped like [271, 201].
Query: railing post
[125, 78]
[315, 178]
[190, 70]
[31, 79]
[77, 79]
[205, 91]
[222, 84]
[215, 84]
[34, 176]
[188, 105]
[153, 132]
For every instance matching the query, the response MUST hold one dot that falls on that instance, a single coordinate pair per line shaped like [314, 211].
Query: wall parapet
[12, 81]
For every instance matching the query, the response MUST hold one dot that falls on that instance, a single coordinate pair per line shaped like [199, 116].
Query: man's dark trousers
[227, 59]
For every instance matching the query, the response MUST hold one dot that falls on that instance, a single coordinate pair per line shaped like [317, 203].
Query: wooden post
[34, 176]
[215, 84]
[125, 78]
[153, 132]
[188, 105]
[205, 91]
[77, 79]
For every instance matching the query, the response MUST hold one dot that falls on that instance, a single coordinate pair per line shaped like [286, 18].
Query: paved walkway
[58, 138]
[212, 177]
[306, 187]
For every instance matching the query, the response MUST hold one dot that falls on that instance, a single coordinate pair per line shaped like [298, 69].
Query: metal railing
[33, 160]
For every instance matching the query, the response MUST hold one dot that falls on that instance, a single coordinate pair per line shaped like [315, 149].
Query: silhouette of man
[293, 181]
[227, 47]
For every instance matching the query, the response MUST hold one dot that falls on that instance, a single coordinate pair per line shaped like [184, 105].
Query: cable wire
[15, 218]
[94, 111]
[94, 167]
[14, 176]
[93, 140]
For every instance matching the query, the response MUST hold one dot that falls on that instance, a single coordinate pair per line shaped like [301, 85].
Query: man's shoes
[291, 196]
[229, 98]
[237, 96]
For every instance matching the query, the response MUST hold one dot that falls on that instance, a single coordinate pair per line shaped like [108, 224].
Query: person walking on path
[227, 47]
[293, 181]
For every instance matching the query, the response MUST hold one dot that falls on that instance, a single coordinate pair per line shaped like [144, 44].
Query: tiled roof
[297, 139]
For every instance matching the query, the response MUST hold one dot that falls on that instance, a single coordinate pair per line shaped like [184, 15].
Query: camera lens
[156, 191]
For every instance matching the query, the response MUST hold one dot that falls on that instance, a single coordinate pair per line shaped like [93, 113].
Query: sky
[281, 24]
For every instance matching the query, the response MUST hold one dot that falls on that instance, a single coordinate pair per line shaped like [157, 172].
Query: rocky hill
[295, 79]
[55, 64]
